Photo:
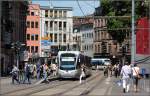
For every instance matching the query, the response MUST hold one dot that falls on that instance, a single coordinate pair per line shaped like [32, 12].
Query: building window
[28, 48]
[65, 13]
[36, 48]
[55, 25]
[36, 24]
[28, 24]
[32, 13]
[51, 37]
[51, 24]
[32, 24]
[60, 37]
[60, 25]
[64, 38]
[51, 13]
[64, 25]
[60, 13]
[46, 25]
[55, 38]
[55, 13]
[28, 36]
[32, 49]
[46, 13]
[36, 37]
[32, 37]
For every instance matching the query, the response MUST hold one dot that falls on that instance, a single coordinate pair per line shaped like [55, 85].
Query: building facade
[56, 29]
[33, 31]
[104, 44]
[83, 35]
[13, 29]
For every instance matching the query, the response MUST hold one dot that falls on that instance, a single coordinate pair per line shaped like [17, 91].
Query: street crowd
[37, 71]
[127, 73]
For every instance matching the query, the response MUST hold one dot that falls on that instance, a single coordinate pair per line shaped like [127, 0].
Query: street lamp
[17, 46]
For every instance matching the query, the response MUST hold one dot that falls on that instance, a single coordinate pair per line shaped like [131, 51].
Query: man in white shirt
[126, 73]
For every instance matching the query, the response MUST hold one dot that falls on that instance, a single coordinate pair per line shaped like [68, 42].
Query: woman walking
[135, 71]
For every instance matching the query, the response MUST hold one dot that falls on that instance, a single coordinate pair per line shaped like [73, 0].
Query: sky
[88, 6]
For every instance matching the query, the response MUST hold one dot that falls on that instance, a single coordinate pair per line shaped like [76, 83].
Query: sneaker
[124, 90]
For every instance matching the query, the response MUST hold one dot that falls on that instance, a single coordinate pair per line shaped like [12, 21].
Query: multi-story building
[104, 44]
[33, 30]
[13, 29]
[83, 35]
[56, 29]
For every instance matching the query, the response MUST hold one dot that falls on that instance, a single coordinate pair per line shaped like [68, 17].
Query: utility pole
[133, 44]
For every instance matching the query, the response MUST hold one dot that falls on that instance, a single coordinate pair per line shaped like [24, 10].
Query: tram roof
[74, 52]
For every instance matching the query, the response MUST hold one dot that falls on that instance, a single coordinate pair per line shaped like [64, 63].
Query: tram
[69, 64]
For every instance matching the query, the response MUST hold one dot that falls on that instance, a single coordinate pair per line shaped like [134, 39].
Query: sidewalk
[144, 86]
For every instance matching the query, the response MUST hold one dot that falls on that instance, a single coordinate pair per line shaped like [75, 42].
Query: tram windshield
[67, 61]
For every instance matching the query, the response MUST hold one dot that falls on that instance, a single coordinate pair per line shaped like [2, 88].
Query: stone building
[13, 29]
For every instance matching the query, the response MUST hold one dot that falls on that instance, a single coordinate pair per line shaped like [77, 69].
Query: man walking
[45, 70]
[14, 73]
[125, 73]
[27, 73]
[38, 67]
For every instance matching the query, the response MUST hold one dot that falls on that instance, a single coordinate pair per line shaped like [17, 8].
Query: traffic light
[124, 50]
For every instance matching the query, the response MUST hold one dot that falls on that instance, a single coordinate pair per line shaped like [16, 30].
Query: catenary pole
[133, 43]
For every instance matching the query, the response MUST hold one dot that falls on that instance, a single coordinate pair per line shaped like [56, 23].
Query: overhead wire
[80, 7]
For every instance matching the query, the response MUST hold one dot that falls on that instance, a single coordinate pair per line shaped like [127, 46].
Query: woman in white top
[135, 73]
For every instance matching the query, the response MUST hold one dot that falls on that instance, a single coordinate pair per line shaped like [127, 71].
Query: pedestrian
[136, 76]
[126, 73]
[38, 67]
[116, 69]
[27, 73]
[106, 71]
[110, 70]
[14, 73]
[34, 71]
[82, 73]
[45, 71]
[54, 69]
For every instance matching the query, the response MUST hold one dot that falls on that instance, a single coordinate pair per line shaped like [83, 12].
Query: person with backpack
[27, 73]
[14, 73]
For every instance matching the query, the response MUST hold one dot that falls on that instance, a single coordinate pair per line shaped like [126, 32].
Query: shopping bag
[119, 82]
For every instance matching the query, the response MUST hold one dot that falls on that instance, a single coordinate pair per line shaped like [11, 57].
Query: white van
[100, 63]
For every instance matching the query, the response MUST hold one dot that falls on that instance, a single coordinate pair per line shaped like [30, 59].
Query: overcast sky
[88, 6]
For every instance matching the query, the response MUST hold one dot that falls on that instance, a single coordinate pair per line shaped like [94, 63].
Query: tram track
[76, 86]
[31, 88]
[40, 88]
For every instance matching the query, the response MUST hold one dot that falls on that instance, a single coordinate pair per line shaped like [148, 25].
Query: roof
[56, 8]
[74, 52]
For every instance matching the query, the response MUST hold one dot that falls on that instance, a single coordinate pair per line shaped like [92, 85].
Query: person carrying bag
[136, 76]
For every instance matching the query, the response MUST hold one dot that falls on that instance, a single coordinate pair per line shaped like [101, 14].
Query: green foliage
[120, 8]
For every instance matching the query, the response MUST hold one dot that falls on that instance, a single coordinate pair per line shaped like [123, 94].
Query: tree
[119, 27]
